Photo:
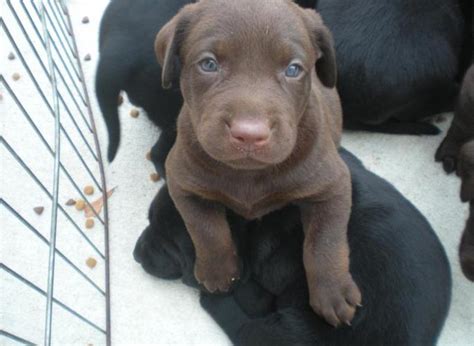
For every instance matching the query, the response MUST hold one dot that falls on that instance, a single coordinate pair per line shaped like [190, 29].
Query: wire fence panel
[54, 256]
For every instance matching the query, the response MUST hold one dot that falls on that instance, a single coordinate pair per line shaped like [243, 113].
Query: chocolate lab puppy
[259, 129]
[398, 60]
[127, 62]
[396, 259]
[465, 170]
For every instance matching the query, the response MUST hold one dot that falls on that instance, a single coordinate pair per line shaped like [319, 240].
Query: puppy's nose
[251, 133]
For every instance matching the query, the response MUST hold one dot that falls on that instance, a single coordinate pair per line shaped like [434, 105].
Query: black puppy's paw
[154, 259]
[447, 154]
[159, 151]
[158, 159]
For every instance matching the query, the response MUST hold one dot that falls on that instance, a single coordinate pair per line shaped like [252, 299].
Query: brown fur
[254, 42]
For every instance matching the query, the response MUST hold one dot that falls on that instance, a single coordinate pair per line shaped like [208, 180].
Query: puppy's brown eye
[293, 71]
[209, 65]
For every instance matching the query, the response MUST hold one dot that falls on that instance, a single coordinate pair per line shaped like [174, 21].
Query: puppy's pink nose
[251, 133]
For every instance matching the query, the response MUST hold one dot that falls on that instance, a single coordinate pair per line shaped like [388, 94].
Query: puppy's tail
[111, 77]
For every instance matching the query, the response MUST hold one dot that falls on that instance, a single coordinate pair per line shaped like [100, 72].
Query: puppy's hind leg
[154, 258]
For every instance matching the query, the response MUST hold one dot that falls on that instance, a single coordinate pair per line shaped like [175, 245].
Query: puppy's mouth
[247, 163]
[249, 159]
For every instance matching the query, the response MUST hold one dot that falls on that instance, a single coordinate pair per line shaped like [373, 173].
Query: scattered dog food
[89, 190]
[91, 262]
[85, 20]
[134, 113]
[80, 204]
[16, 76]
[120, 100]
[148, 156]
[89, 223]
[38, 210]
[70, 202]
[97, 205]
[87, 57]
[155, 177]
[11, 56]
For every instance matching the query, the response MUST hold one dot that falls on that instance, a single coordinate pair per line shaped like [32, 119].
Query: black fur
[128, 62]
[397, 60]
[396, 259]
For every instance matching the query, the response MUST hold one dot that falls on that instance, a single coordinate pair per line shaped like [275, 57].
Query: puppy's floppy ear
[168, 43]
[324, 46]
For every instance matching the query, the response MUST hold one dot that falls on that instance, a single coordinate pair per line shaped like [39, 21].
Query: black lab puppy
[397, 60]
[396, 259]
[127, 62]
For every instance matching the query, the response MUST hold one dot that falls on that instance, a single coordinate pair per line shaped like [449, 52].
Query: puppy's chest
[251, 201]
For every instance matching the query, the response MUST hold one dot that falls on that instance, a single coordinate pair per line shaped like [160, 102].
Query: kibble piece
[85, 20]
[120, 100]
[91, 263]
[16, 76]
[148, 156]
[80, 204]
[155, 177]
[38, 210]
[89, 223]
[134, 113]
[70, 202]
[87, 57]
[89, 190]
[11, 56]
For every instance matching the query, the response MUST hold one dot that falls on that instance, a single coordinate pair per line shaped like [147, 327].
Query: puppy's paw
[218, 274]
[447, 154]
[335, 300]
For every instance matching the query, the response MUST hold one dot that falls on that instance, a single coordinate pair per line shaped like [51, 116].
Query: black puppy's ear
[324, 46]
[168, 43]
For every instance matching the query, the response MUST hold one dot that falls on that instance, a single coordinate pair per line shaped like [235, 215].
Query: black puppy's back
[397, 60]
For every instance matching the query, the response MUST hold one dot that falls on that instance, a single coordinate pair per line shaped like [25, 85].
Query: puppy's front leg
[216, 264]
[333, 293]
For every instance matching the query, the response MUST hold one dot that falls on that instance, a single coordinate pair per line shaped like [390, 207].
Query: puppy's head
[245, 69]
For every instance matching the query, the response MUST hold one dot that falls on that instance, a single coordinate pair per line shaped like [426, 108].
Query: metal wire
[57, 153]
[48, 41]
